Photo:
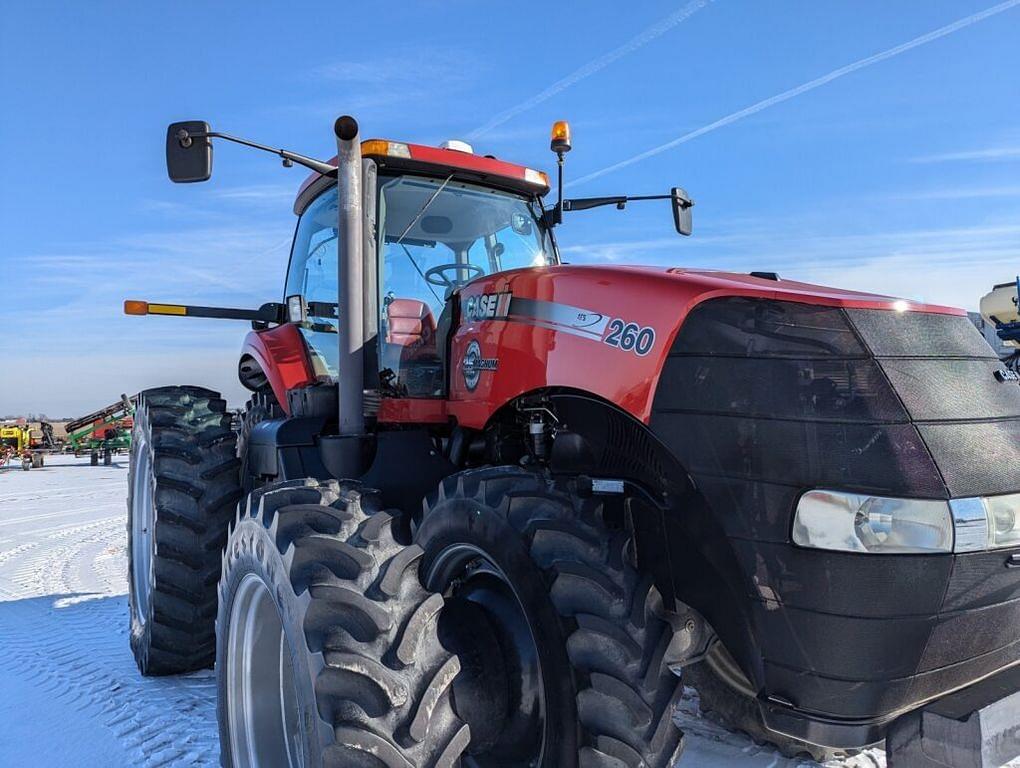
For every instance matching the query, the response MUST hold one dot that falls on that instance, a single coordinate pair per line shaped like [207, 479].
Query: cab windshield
[437, 234]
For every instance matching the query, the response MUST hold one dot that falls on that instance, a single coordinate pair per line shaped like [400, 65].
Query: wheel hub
[262, 708]
[500, 691]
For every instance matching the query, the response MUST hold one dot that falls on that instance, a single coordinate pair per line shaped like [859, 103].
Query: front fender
[282, 356]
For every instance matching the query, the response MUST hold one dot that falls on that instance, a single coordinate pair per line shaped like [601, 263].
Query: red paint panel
[282, 354]
[466, 161]
[450, 158]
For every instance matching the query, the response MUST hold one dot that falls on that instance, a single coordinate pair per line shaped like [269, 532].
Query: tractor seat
[410, 325]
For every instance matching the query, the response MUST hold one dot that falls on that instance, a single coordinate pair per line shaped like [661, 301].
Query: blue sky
[899, 175]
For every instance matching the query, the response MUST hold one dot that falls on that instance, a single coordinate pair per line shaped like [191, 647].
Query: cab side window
[313, 275]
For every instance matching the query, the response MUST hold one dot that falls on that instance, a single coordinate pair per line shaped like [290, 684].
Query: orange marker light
[132, 307]
[385, 148]
[560, 137]
[375, 147]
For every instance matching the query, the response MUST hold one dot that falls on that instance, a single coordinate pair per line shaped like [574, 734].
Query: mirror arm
[681, 207]
[584, 203]
[288, 156]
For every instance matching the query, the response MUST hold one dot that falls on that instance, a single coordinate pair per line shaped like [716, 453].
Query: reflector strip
[167, 309]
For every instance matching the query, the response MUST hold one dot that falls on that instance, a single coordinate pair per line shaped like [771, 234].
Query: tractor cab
[438, 218]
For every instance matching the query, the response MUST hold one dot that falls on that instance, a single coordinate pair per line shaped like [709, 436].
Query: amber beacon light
[560, 137]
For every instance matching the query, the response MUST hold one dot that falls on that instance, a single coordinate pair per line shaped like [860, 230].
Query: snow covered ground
[70, 694]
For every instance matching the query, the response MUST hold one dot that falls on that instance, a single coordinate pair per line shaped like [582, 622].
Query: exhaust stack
[350, 274]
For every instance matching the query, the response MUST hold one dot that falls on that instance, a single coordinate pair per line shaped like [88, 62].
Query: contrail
[656, 30]
[808, 86]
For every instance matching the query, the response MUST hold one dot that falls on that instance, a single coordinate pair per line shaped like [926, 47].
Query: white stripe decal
[577, 320]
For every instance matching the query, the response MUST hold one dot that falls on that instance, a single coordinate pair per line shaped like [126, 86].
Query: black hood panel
[897, 403]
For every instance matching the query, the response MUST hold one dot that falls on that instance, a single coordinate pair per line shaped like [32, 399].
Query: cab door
[312, 276]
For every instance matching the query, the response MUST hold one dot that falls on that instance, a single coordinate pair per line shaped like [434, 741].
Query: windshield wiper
[423, 209]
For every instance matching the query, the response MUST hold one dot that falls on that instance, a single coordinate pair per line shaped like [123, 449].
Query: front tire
[327, 649]
[182, 493]
[529, 568]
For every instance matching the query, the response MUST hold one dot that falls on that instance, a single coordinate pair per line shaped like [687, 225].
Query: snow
[70, 693]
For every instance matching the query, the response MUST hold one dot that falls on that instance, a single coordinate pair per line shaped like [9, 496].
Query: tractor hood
[608, 330]
[703, 284]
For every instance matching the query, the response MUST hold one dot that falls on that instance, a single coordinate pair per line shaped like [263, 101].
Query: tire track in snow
[64, 627]
[76, 650]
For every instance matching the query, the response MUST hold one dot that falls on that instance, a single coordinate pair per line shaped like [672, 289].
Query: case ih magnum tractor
[484, 508]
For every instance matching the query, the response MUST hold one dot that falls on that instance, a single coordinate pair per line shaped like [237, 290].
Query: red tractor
[484, 508]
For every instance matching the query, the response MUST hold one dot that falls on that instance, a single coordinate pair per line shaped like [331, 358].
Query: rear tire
[502, 540]
[182, 494]
[261, 406]
[345, 631]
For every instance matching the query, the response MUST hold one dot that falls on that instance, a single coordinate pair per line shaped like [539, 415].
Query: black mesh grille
[919, 334]
[979, 579]
[969, 634]
[813, 389]
[747, 327]
[976, 459]
[944, 390]
[885, 459]
[751, 509]
[853, 398]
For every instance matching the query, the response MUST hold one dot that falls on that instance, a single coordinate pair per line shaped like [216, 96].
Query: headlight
[850, 522]
[995, 522]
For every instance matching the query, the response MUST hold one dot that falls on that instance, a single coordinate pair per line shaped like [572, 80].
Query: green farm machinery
[102, 433]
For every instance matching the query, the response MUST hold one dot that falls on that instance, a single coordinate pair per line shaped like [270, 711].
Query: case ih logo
[473, 364]
[488, 306]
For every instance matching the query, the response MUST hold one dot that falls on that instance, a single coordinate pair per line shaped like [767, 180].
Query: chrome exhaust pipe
[350, 277]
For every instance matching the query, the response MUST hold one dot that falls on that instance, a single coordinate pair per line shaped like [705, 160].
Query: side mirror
[188, 152]
[682, 205]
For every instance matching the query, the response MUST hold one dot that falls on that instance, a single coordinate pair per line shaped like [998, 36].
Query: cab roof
[434, 161]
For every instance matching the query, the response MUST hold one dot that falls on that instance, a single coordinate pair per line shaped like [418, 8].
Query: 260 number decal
[630, 337]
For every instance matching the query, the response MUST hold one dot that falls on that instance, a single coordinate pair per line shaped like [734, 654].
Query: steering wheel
[437, 275]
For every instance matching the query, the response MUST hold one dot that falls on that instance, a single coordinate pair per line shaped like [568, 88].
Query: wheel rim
[141, 530]
[485, 623]
[262, 708]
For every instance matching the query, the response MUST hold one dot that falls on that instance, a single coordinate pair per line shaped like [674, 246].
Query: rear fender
[277, 359]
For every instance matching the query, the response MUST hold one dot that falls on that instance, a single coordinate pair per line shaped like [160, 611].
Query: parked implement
[102, 433]
[1001, 308]
[16, 445]
[484, 507]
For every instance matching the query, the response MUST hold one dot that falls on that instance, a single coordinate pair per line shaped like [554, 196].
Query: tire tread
[196, 491]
